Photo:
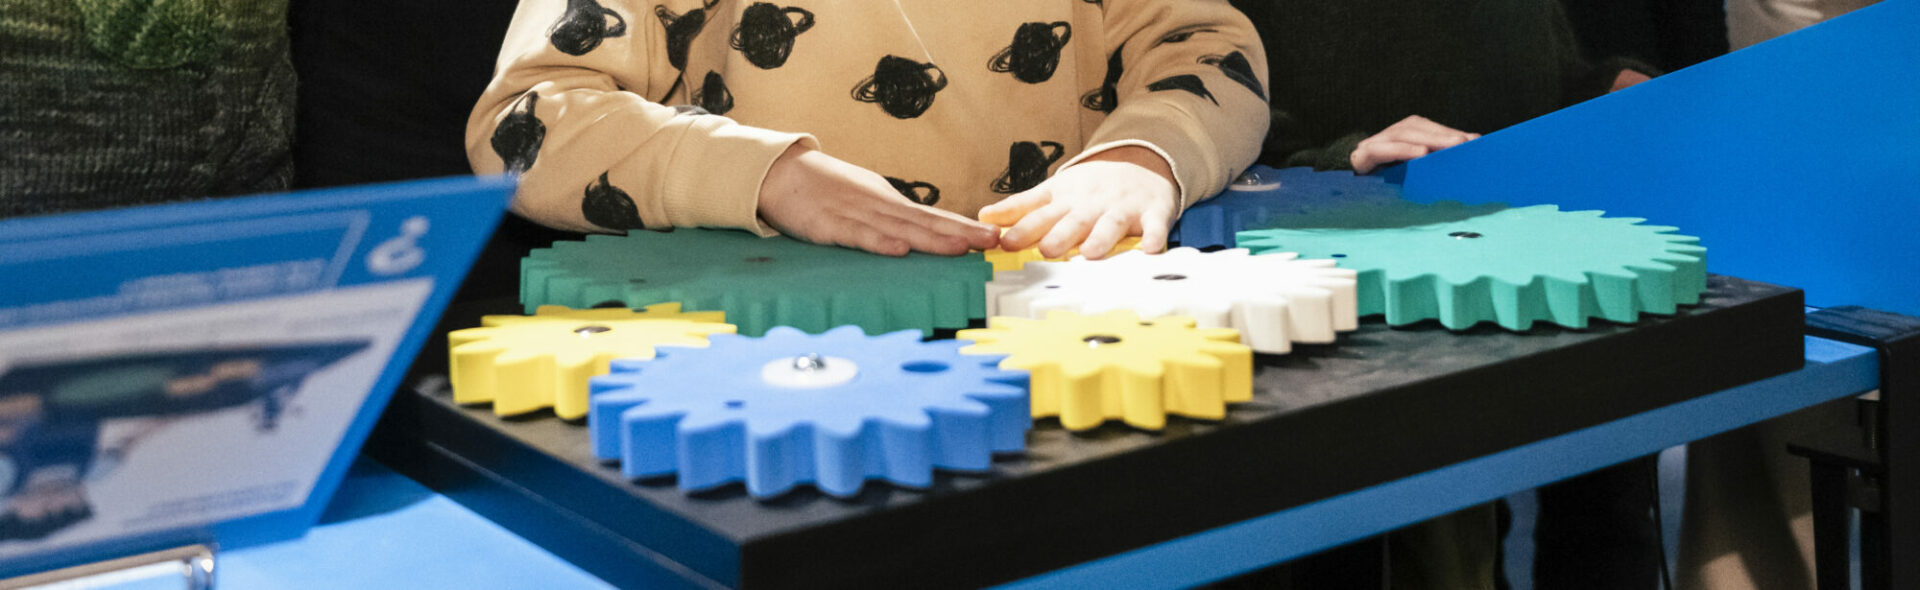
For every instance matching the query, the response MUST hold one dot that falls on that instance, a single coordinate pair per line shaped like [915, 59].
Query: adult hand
[1092, 205]
[1627, 78]
[1410, 138]
[815, 197]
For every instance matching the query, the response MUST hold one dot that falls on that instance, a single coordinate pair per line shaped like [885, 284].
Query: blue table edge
[1833, 370]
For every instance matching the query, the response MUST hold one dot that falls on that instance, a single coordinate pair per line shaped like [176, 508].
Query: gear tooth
[1513, 304]
[1225, 335]
[1195, 388]
[911, 310]
[605, 423]
[1654, 287]
[471, 372]
[648, 444]
[469, 335]
[1082, 405]
[571, 384]
[1614, 295]
[905, 454]
[710, 457]
[522, 385]
[837, 462]
[952, 303]
[961, 437]
[1143, 402]
[1410, 300]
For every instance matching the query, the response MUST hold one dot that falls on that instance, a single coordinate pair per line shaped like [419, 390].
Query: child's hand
[822, 199]
[1410, 138]
[1124, 191]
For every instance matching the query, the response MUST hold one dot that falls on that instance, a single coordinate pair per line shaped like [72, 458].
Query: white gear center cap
[809, 371]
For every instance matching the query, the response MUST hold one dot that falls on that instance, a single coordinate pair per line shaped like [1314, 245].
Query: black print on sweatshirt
[681, 29]
[1035, 51]
[766, 31]
[713, 94]
[1183, 36]
[1107, 96]
[584, 25]
[1238, 69]
[609, 207]
[1187, 82]
[517, 139]
[902, 87]
[918, 192]
[1027, 164]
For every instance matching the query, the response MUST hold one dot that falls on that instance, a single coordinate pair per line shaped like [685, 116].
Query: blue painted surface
[1833, 370]
[1794, 160]
[385, 531]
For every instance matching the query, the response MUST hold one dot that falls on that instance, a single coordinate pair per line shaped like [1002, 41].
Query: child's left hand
[1120, 192]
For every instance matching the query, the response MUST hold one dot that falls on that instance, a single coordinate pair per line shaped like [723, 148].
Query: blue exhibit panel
[1795, 161]
[1833, 370]
[143, 262]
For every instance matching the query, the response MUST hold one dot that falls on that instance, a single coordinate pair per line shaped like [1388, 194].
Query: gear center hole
[1170, 277]
[1098, 340]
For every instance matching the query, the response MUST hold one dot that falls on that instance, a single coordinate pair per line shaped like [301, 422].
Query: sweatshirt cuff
[1179, 189]
[1174, 135]
[715, 175]
[1337, 155]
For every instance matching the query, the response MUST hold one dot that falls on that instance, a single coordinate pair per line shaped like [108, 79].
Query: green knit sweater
[107, 103]
[1344, 70]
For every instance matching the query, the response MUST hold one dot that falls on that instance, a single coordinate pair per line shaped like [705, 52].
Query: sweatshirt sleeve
[574, 109]
[1191, 88]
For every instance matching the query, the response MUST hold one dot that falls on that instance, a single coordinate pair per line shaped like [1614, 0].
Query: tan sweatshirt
[958, 103]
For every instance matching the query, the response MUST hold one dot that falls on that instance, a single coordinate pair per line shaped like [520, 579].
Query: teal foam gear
[1511, 267]
[760, 282]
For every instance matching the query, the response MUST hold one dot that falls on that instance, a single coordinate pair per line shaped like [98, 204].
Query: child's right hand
[1410, 138]
[815, 197]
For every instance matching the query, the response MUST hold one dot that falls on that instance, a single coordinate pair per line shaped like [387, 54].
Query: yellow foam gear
[1088, 369]
[525, 363]
[1018, 259]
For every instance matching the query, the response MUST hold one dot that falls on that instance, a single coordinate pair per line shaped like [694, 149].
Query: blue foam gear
[1213, 222]
[706, 415]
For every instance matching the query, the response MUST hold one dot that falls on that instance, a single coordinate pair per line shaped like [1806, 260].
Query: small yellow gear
[1017, 259]
[525, 363]
[1087, 369]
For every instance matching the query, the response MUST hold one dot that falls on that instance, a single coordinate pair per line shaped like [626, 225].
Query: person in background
[1748, 520]
[1752, 21]
[108, 103]
[1668, 34]
[880, 127]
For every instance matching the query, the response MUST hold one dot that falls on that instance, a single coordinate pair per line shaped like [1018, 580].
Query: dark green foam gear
[1511, 266]
[155, 33]
[760, 282]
